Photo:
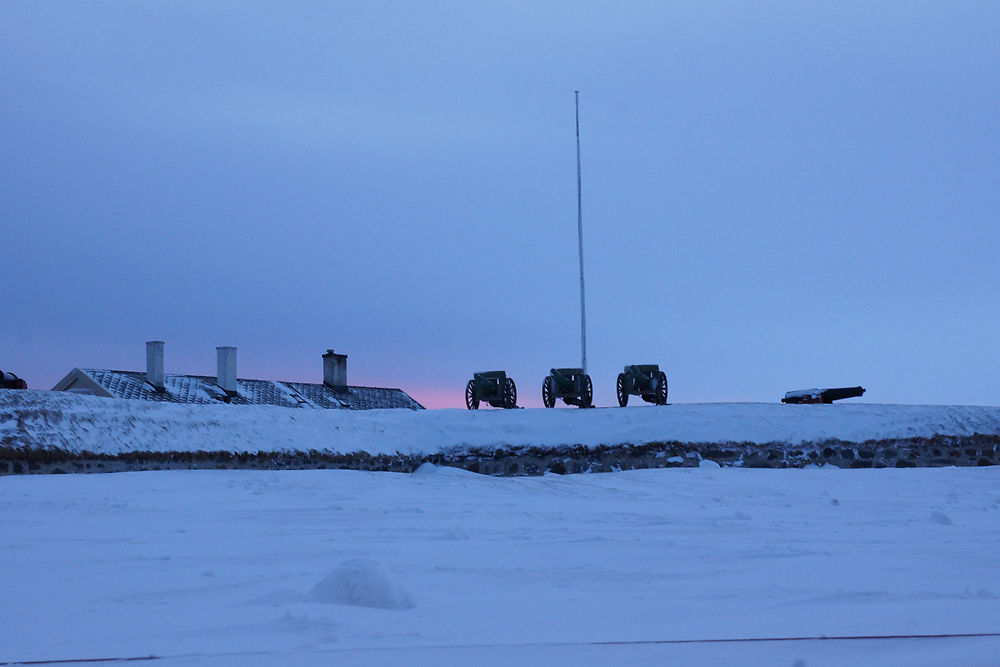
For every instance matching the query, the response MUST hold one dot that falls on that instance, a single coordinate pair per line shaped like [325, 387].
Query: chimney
[226, 378]
[335, 370]
[154, 363]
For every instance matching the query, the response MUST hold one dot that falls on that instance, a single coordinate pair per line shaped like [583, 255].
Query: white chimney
[154, 363]
[334, 369]
[226, 378]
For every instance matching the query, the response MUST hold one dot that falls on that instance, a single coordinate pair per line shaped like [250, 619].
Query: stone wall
[974, 450]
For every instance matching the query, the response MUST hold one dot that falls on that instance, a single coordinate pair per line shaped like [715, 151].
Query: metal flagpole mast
[579, 227]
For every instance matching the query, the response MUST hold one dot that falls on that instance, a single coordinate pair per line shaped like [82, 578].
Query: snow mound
[361, 583]
[941, 518]
[456, 533]
[431, 469]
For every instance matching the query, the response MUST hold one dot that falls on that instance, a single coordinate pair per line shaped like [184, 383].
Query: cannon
[493, 387]
[822, 395]
[572, 385]
[11, 381]
[646, 380]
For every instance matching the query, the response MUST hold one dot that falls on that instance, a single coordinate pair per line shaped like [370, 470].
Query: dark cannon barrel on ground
[822, 395]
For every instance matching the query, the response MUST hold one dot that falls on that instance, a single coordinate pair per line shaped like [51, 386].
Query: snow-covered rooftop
[204, 390]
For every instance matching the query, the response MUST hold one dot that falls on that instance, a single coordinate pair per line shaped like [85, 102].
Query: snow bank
[40, 419]
[361, 583]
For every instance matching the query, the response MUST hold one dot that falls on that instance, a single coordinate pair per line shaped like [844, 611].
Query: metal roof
[201, 389]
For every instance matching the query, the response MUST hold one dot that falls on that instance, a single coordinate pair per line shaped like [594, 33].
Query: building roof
[201, 389]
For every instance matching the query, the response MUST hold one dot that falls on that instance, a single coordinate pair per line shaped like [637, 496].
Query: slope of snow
[78, 423]
[445, 567]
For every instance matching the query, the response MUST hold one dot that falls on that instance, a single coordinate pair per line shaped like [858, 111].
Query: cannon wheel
[510, 394]
[661, 390]
[587, 395]
[471, 402]
[548, 400]
[620, 388]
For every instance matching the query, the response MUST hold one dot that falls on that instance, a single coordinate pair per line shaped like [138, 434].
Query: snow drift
[361, 582]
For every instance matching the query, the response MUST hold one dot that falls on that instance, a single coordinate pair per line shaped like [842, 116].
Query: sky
[775, 195]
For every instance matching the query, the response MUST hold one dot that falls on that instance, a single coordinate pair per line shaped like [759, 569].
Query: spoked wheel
[587, 395]
[510, 394]
[548, 400]
[620, 388]
[661, 390]
[471, 402]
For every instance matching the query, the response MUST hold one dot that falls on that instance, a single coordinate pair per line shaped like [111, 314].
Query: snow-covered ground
[109, 426]
[445, 567]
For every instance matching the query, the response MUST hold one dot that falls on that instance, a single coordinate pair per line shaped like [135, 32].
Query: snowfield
[109, 426]
[446, 567]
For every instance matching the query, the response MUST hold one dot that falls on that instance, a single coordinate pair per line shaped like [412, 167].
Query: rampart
[936, 451]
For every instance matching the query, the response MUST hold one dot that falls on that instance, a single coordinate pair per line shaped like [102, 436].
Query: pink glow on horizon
[436, 398]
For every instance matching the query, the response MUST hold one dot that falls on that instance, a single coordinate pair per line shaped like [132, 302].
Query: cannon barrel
[642, 375]
[822, 395]
[831, 395]
[489, 383]
[566, 378]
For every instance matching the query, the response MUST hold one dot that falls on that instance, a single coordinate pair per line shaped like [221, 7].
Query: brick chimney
[154, 363]
[335, 370]
[226, 376]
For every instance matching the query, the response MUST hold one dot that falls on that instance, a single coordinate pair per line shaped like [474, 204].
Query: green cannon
[493, 387]
[572, 385]
[646, 380]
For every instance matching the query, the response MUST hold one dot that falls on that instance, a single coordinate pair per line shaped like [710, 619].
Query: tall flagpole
[579, 228]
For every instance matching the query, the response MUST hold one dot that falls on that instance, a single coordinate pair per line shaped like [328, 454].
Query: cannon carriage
[645, 380]
[572, 385]
[493, 387]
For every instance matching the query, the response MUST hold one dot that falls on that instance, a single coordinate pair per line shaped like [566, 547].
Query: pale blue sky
[776, 195]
